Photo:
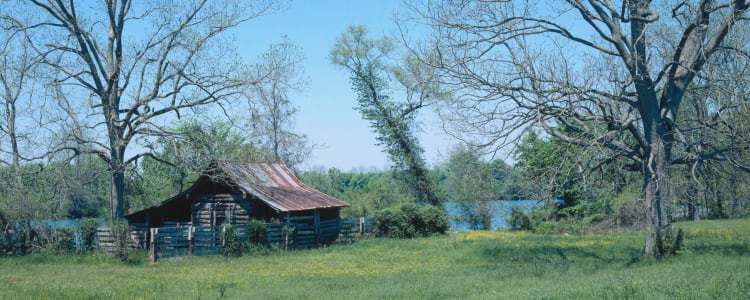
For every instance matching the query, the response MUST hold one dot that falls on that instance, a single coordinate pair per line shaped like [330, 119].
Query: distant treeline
[544, 168]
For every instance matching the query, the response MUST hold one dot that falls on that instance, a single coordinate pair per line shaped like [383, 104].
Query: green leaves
[392, 121]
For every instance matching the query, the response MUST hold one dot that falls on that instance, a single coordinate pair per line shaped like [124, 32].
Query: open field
[482, 265]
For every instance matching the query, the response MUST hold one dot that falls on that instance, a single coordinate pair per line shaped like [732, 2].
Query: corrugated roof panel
[232, 172]
[268, 175]
[287, 176]
[259, 178]
[276, 185]
[279, 178]
[247, 177]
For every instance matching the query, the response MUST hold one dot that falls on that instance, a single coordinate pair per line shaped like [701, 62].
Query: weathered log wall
[214, 210]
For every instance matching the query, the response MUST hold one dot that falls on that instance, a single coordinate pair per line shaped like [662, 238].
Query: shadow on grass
[553, 254]
[726, 249]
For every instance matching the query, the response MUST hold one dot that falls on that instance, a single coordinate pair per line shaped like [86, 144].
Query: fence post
[223, 228]
[190, 240]
[362, 225]
[153, 255]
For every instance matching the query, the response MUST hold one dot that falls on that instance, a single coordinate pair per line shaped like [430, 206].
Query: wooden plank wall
[304, 235]
[105, 238]
[274, 233]
[207, 240]
[170, 242]
[139, 235]
[212, 210]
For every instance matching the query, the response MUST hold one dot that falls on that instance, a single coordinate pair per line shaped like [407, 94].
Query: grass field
[472, 265]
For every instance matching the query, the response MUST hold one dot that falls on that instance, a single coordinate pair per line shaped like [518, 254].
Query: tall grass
[476, 265]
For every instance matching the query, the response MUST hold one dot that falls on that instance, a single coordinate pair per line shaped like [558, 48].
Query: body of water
[500, 210]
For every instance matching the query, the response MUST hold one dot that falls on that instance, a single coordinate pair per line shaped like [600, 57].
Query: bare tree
[593, 73]
[16, 66]
[123, 69]
[24, 130]
[272, 117]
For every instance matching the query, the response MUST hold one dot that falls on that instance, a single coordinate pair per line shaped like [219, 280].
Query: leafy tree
[366, 192]
[392, 121]
[504, 176]
[614, 77]
[196, 146]
[83, 185]
[552, 165]
[470, 181]
[574, 177]
[191, 151]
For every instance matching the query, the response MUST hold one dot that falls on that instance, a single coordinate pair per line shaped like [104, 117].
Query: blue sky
[326, 112]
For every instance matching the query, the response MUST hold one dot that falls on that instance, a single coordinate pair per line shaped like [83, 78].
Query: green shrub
[63, 241]
[88, 233]
[257, 232]
[518, 220]
[257, 243]
[667, 244]
[412, 215]
[121, 232]
[409, 221]
[287, 232]
[595, 218]
[232, 245]
[390, 222]
[253, 249]
[435, 220]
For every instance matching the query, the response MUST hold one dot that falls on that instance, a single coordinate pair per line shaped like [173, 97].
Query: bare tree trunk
[693, 212]
[117, 192]
[720, 213]
[735, 192]
[117, 184]
[657, 219]
[655, 180]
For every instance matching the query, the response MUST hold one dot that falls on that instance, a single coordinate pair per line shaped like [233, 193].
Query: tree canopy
[393, 121]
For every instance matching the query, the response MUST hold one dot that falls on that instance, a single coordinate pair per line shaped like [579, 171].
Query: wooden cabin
[236, 192]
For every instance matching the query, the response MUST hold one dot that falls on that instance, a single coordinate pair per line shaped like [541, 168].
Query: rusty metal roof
[276, 185]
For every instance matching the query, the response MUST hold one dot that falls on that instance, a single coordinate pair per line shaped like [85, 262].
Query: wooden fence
[183, 239]
[106, 238]
[352, 228]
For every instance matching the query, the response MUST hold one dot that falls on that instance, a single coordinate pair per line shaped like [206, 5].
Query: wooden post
[190, 240]
[153, 255]
[285, 232]
[316, 221]
[361, 225]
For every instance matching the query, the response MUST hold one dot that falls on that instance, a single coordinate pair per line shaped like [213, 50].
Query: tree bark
[117, 192]
[656, 194]
[117, 184]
